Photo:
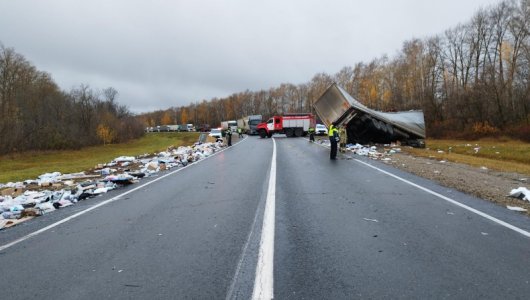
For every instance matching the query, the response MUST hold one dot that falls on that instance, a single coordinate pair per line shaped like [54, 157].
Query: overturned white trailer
[365, 125]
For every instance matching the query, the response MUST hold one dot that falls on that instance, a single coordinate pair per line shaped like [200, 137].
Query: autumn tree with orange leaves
[475, 73]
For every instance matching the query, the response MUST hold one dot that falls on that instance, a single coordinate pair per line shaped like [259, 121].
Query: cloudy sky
[161, 53]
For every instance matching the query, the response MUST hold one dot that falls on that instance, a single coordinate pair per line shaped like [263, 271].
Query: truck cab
[274, 124]
[253, 122]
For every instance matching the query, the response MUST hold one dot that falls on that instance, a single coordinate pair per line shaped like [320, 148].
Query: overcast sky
[159, 54]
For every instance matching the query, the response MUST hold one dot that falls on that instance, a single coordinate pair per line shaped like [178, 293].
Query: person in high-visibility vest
[343, 139]
[311, 134]
[333, 134]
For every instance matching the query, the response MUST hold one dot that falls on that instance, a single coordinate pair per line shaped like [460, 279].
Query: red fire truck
[290, 124]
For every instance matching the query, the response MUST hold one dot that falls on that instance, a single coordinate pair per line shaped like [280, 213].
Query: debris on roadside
[516, 208]
[383, 152]
[371, 220]
[521, 193]
[374, 152]
[21, 201]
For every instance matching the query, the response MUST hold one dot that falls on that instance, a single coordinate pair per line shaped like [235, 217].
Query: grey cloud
[160, 53]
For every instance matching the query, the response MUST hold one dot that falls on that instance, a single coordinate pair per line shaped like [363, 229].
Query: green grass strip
[29, 165]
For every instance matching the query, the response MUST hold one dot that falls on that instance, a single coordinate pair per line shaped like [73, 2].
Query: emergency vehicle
[290, 124]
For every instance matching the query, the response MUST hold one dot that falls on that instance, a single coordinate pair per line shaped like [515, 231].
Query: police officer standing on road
[229, 137]
[240, 132]
[333, 139]
[311, 134]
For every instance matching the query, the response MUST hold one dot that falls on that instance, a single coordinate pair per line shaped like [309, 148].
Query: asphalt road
[344, 229]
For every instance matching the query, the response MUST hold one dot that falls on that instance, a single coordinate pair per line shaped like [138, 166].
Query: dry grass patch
[502, 155]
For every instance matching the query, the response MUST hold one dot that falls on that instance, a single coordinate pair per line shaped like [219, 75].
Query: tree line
[473, 79]
[35, 114]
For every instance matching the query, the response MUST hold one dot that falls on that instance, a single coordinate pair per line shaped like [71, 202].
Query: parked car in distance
[320, 129]
[216, 133]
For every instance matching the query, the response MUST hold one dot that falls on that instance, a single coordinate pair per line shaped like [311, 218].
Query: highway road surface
[272, 218]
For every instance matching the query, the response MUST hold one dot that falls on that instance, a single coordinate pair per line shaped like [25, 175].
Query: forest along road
[320, 229]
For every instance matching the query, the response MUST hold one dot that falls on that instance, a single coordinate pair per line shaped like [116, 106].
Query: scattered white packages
[515, 208]
[521, 193]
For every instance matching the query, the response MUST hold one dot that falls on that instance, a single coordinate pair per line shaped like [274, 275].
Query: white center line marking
[35, 233]
[264, 281]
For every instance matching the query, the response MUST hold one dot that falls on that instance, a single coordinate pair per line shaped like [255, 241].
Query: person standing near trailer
[229, 137]
[343, 138]
[333, 139]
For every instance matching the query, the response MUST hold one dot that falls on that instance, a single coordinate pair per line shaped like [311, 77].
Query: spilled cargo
[22, 201]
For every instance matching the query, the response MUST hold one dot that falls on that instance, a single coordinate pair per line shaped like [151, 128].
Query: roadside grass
[496, 154]
[29, 165]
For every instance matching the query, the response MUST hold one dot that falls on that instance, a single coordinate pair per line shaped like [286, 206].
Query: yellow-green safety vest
[332, 129]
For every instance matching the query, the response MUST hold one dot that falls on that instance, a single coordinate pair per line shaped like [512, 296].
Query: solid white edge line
[478, 212]
[264, 280]
[35, 233]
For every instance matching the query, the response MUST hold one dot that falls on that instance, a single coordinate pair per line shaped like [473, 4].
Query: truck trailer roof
[337, 106]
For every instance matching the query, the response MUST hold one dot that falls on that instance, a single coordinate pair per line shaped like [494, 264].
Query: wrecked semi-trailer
[290, 124]
[365, 125]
